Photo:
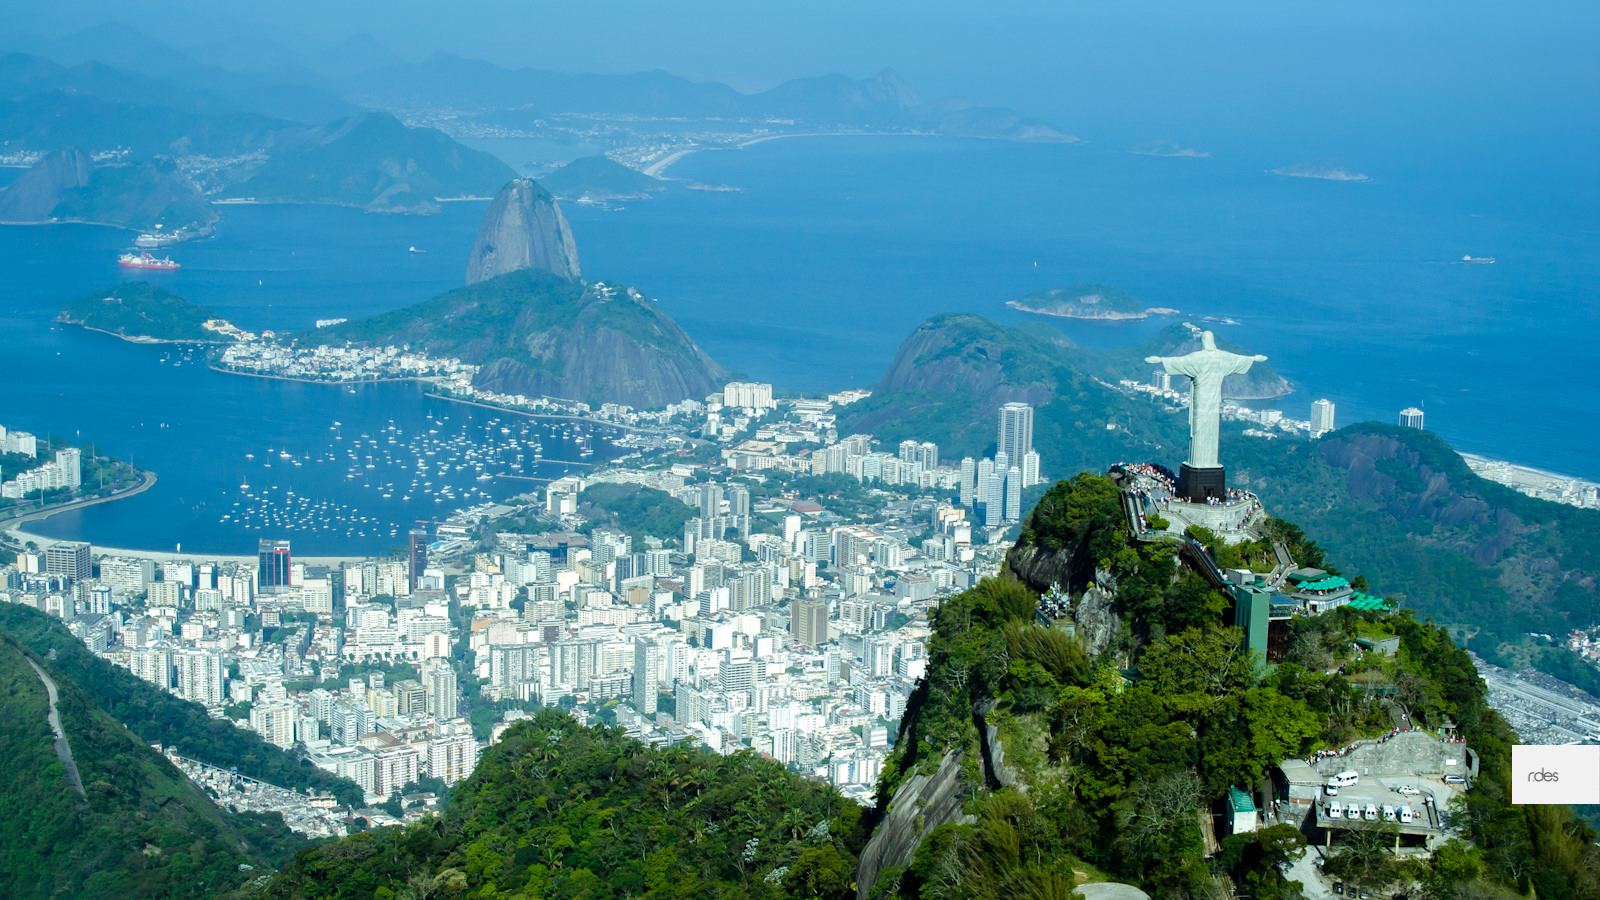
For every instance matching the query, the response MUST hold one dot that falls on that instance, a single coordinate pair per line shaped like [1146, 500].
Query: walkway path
[62, 750]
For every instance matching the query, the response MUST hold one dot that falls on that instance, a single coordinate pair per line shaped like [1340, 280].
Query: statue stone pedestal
[1197, 484]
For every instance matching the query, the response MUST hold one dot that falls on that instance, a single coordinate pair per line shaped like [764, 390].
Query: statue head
[1208, 341]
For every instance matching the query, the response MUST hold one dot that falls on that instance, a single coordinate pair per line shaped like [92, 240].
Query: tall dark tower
[418, 557]
[273, 574]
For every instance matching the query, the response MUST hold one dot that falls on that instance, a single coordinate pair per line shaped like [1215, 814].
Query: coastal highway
[11, 526]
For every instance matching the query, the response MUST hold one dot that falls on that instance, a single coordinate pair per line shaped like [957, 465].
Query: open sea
[809, 276]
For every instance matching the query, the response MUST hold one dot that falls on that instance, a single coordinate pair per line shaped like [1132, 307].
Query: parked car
[1370, 813]
[1455, 779]
[1338, 887]
[1406, 790]
[1334, 810]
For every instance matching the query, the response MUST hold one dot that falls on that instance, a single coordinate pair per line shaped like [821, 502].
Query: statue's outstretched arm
[1161, 359]
[1259, 358]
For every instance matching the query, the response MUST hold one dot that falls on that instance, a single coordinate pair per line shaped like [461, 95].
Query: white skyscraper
[1321, 417]
[1030, 469]
[1411, 417]
[70, 461]
[274, 722]
[969, 477]
[1013, 495]
[199, 676]
[439, 691]
[985, 474]
[1016, 431]
[646, 675]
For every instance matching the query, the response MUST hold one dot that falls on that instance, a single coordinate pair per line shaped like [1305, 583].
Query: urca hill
[534, 328]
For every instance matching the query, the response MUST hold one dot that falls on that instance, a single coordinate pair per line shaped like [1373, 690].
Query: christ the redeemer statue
[1202, 475]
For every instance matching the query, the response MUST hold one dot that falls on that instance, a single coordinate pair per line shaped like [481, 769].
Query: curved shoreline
[139, 338]
[13, 525]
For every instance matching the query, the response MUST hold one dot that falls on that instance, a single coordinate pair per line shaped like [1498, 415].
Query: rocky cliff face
[920, 805]
[523, 229]
[36, 192]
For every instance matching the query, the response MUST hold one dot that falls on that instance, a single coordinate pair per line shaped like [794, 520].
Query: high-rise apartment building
[808, 621]
[274, 721]
[70, 462]
[199, 676]
[1411, 417]
[440, 691]
[1016, 432]
[68, 559]
[969, 476]
[417, 559]
[646, 675]
[1013, 495]
[272, 572]
[452, 757]
[1321, 417]
[1030, 469]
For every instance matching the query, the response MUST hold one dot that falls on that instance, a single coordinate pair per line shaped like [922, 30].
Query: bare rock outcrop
[36, 192]
[523, 229]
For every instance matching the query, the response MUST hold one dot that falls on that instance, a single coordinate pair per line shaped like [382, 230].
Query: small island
[143, 313]
[1323, 170]
[1086, 301]
[597, 179]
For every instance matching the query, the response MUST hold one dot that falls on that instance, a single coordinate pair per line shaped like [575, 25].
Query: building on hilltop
[1321, 417]
[1411, 417]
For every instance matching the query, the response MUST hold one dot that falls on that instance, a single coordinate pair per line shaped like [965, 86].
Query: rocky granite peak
[523, 229]
[36, 192]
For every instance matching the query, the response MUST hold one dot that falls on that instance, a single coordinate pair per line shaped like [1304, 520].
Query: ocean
[810, 276]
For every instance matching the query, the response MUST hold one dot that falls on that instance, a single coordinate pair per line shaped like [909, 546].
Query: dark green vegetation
[66, 186]
[138, 309]
[955, 371]
[540, 335]
[556, 809]
[374, 162]
[140, 831]
[1487, 561]
[1103, 772]
[644, 512]
[155, 715]
[1082, 301]
[599, 178]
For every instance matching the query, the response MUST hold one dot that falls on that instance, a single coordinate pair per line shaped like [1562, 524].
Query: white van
[1388, 813]
[1344, 779]
[1407, 816]
[1370, 813]
[1335, 811]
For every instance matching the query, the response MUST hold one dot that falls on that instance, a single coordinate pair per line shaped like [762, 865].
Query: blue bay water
[839, 246]
[206, 434]
[811, 277]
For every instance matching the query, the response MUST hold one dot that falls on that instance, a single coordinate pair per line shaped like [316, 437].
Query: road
[13, 525]
[62, 749]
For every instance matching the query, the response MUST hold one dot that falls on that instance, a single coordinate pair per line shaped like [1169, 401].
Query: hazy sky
[1386, 79]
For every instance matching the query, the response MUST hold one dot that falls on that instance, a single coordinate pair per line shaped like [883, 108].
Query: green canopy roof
[1369, 603]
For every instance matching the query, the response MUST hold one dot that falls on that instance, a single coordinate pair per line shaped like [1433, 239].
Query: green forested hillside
[1110, 763]
[138, 309]
[556, 809]
[155, 715]
[141, 830]
[539, 334]
[1390, 502]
